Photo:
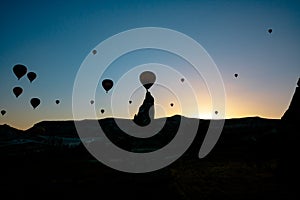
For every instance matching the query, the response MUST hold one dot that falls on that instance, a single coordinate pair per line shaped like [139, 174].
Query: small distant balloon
[17, 91]
[57, 101]
[94, 51]
[92, 101]
[236, 75]
[130, 102]
[35, 102]
[216, 112]
[102, 111]
[107, 84]
[31, 76]
[182, 79]
[147, 79]
[19, 70]
[3, 112]
[270, 30]
[171, 104]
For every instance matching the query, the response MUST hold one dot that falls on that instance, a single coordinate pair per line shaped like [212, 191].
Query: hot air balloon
[270, 30]
[3, 112]
[31, 76]
[102, 111]
[94, 51]
[235, 75]
[216, 112]
[107, 84]
[57, 101]
[147, 79]
[171, 104]
[35, 102]
[17, 91]
[182, 79]
[19, 70]
[92, 102]
[130, 102]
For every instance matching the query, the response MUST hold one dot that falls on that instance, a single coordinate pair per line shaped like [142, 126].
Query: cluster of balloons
[20, 71]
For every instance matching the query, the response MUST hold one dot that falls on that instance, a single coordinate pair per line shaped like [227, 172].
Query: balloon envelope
[31, 76]
[171, 104]
[107, 84]
[216, 112]
[19, 70]
[92, 102]
[57, 101]
[17, 91]
[3, 112]
[147, 79]
[102, 111]
[182, 80]
[236, 75]
[35, 102]
[130, 102]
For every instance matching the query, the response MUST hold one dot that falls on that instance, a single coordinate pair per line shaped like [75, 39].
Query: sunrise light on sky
[52, 38]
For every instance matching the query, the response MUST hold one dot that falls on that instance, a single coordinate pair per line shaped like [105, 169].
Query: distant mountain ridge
[67, 128]
[8, 133]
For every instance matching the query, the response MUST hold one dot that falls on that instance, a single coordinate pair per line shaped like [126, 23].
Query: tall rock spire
[146, 111]
[293, 112]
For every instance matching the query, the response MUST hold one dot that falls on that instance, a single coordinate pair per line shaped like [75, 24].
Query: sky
[53, 38]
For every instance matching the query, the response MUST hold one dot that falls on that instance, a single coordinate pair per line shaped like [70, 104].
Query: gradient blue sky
[52, 38]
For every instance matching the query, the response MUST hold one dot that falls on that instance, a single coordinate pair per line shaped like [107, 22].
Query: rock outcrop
[146, 111]
[289, 166]
[293, 112]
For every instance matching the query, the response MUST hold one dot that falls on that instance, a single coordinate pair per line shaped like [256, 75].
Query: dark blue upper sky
[52, 38]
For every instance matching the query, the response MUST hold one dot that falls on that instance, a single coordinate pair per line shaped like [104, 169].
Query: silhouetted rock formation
[289, 166]
[293, 112]
[146, 111]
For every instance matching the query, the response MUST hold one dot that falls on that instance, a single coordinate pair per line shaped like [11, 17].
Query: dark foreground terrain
[253, 159]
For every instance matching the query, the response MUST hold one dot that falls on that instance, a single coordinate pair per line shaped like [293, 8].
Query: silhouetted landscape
[49, 159]
[253, 159]
[150, 100]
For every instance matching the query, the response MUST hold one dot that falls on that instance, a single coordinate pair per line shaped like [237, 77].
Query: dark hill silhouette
[9, 133]
[242, 132]
[246, 153]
